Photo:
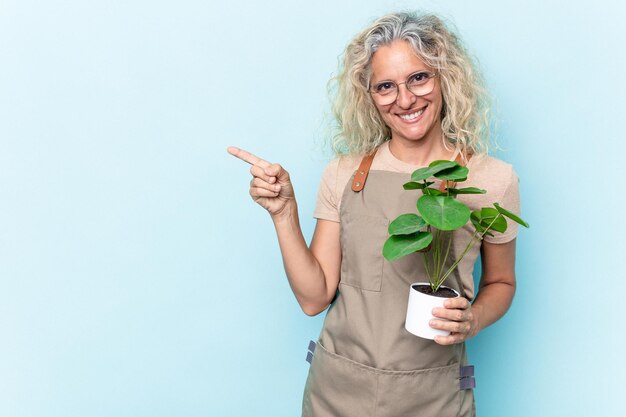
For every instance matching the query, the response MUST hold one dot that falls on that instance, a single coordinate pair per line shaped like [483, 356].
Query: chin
[412, 136]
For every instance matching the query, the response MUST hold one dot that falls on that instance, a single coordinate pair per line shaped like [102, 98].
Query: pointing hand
[270, 186]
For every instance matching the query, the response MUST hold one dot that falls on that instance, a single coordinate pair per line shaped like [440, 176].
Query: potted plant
[430, 232]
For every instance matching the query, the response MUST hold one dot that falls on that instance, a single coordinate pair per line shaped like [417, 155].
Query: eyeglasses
[419, 84]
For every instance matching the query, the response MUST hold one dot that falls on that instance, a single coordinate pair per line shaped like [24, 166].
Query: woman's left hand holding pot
[462, 321]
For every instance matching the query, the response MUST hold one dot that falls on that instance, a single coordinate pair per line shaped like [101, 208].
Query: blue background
[137, 278]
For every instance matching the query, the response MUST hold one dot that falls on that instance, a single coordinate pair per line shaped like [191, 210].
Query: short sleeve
[509, 200]
[327, 205]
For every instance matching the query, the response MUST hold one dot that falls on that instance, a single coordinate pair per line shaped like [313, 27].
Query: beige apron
[365, 363]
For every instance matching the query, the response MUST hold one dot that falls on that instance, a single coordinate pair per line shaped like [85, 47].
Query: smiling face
[410, 118]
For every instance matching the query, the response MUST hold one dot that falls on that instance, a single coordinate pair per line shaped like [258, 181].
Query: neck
[420, 152]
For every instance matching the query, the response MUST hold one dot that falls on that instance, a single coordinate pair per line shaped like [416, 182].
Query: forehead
[396, 61]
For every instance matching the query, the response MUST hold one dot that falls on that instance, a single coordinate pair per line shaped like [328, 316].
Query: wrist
[287, 215]
[477, 312]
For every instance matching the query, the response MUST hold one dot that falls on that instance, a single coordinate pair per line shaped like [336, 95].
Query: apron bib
[366, 364]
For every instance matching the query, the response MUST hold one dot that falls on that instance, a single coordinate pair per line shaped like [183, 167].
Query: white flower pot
[419, 312]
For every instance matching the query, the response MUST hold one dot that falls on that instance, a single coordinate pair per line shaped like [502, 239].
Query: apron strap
[361, 174]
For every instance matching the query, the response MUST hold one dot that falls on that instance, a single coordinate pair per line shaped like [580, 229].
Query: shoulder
[489, 164]
[341, 167]
[495, 176]
[337, 174]
[334, 180]
[343, 163]
[486, 169]
[500, 181]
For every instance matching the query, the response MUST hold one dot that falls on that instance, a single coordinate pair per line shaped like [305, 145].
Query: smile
[412, 116]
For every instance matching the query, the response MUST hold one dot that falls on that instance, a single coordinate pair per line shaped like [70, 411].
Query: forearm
[304, 272]
[271, 188]
[492, 302]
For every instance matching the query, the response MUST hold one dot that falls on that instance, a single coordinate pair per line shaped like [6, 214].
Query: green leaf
[417, 185]
[467, 190]
[510, 215]
[488, 212]
[398, 246]
[478, 226]
[457, 173]
[432, 191]
[421, 174]
[489, 215]
[406, 224]
[429, 171]
[441, 161]
[413, 185]
[443, 212]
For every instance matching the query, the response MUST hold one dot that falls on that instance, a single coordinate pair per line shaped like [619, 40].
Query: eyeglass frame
[430, 74]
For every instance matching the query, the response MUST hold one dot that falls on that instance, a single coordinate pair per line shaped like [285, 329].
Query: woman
[408, 94]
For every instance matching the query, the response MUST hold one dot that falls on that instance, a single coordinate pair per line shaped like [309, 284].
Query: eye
[385, 87]
[418, 78]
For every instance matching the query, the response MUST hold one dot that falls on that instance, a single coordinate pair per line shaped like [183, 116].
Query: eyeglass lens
[419, 84]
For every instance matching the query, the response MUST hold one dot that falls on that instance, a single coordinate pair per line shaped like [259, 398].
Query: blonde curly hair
[465, 113]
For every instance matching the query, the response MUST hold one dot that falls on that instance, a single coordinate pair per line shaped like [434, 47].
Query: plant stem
[469, 246]
[438, 262]
[424, 258]
[429, 272]
[445, 258]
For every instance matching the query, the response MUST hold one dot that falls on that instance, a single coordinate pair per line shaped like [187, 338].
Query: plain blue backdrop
[137, 278]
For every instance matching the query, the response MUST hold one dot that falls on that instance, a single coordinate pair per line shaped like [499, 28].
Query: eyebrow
[413, 73]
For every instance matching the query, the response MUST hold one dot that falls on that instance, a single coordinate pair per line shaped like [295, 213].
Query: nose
[405, 98]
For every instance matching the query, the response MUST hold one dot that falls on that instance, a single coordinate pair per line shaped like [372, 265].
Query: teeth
[412, 115]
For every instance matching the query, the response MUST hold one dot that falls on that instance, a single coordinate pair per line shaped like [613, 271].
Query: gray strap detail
[309, 354]
[468, 383]
[467, 371]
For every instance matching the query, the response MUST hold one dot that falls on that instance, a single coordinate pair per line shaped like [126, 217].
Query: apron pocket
[338, 387]
[428, 392]
[362, 240]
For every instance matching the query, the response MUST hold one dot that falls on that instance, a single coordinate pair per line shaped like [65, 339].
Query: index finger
[247, 157]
